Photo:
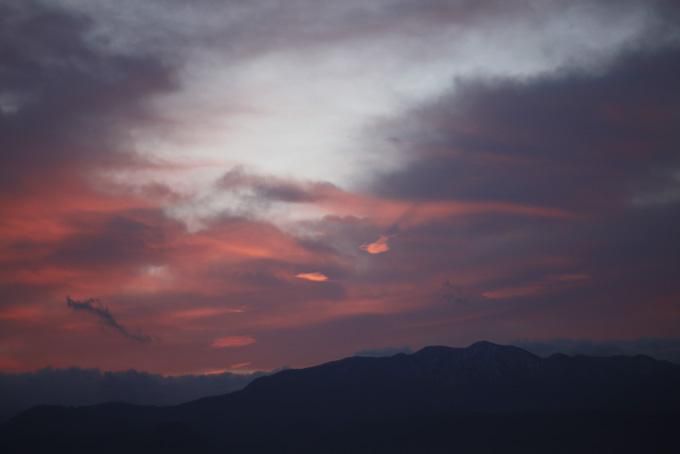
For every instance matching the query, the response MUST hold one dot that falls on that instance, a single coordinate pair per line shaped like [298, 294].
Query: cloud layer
[254, 185]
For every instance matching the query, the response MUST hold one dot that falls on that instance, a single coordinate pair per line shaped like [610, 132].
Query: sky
[210, 186]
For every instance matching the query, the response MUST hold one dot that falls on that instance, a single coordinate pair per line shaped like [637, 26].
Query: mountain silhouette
[74, 386]
[483, 398]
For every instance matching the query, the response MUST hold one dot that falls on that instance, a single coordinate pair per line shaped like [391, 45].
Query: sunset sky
[193, 187]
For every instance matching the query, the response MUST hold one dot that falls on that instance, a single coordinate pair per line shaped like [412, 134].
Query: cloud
[529, 142]
[570, 140]
[72, 103]
[379, 246]
[93, 307]
[119, 238]
[314, 277]
[506, 146]
[274, 188]
[233, 341]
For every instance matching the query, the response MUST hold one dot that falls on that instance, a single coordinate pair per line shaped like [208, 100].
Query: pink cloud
[232, 341]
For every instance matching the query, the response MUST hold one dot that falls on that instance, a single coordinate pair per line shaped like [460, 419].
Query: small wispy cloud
[233, 341]
[314, 277]
[94, 307]
[379, 246]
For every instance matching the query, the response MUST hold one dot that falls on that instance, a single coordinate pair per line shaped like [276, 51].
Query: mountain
[483, 398]
[74, 386]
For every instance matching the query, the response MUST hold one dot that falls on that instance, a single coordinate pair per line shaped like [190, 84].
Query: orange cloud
[379, 246]
[232, 341]
[314, 277]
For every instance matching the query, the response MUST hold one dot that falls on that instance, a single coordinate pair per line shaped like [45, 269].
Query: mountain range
[483, 398]
[80, 387]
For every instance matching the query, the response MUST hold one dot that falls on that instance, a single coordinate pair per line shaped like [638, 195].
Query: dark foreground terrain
[80, 387]
[484, 398]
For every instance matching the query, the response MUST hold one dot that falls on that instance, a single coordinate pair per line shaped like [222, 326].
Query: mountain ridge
[482, 382]
[20, 391]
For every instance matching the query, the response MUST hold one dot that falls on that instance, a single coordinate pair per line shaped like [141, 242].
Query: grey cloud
[273, 188]
[571, 139]
[585, 141]
[68, 105]
[239, 29]
[120, 239]
[92, 306]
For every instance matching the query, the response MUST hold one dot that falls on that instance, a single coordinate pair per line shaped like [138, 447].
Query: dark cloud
[586, 141]
[264, 25]
[132, 237]
[94, 307]
[67, 103]
[572, 139]
[273, 188]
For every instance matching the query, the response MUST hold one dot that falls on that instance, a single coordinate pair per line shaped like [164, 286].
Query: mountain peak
[482, 347]
[485, 345]
[446, 387]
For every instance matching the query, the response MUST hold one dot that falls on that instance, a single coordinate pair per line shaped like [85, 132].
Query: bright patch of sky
[304, 102]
